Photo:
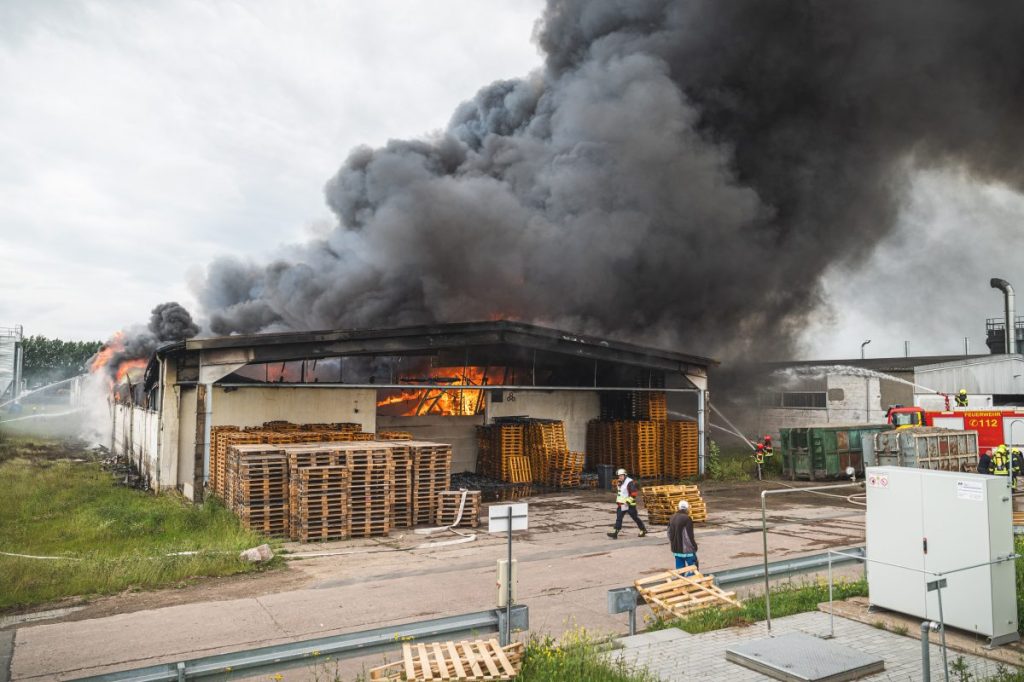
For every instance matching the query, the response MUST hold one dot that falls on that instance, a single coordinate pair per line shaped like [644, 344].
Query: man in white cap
[625, 503]
[680, 537]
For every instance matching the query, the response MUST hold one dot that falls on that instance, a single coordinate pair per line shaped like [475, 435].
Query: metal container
[825, 451]
[924, 447]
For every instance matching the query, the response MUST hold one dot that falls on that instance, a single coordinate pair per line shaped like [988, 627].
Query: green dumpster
[825, 451]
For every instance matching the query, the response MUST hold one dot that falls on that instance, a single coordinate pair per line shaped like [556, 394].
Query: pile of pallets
[680, 460]
[565, 469]
[497, 446]
[543, 438]
[260, 490]
[394, 435]
[323, 504]
[402, 513]
[641, 442]
[679, 593]
[650, 406]
[662, 501]
[431, 475]
[458, 505]
[453, 662]
[372, 469]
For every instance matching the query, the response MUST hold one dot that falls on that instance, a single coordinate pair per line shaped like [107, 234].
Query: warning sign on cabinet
[876, 481]
[970, 490]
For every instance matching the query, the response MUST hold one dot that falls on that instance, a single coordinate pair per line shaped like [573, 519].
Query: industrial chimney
[1011, 316]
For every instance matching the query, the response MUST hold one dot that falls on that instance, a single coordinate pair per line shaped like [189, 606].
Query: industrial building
[436, 382]
[11, 360]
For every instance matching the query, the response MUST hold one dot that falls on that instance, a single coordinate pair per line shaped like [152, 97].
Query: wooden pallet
[448, 503]
[662, 501]
[480, 660]
[678, 593]
[1018, 518]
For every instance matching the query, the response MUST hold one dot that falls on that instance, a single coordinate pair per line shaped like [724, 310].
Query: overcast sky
[141, 140]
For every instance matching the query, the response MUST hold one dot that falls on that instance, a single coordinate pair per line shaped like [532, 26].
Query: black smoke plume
[168, 322]
[677, 172]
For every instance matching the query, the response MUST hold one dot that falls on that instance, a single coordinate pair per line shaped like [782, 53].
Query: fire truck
[995, 426]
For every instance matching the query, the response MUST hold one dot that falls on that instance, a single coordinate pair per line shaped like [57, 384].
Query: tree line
[47, 360]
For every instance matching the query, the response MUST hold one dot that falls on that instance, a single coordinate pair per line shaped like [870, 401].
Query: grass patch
[786, 601]
[114, 538]
[576, 656]
[728, 467]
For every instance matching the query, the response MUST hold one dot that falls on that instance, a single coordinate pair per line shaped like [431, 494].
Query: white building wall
[848, 400]
[135, 433]
[575, 408]
[301, 405]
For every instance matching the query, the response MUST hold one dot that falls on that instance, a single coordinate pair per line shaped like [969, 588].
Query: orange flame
[102, 361]
[415, 402]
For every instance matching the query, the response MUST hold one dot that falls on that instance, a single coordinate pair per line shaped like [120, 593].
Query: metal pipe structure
[764, 533]
[468, 387]
[926, 661]
[1011, 315]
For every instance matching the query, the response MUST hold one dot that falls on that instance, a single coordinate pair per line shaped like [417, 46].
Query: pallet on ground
[681, 592]
[462, 506]
[476, 661]
[431, 474]
[662, 501]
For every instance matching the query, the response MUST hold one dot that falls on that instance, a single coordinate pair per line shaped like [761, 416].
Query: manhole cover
[801, 657]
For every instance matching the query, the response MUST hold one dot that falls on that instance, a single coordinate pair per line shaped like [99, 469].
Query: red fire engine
[995, 426]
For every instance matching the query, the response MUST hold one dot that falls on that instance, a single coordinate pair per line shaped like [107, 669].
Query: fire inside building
[438, 383]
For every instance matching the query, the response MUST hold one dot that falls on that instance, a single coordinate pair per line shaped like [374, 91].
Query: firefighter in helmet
[1001, 461]
[961, 398]
[1016, 466]
[768, 449]
[759, 453]
[625, 503]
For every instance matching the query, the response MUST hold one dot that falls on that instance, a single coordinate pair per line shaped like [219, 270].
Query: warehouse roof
[277, 347]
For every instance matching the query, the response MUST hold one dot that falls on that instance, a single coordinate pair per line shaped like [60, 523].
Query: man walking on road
[625, 503]
[680, 537]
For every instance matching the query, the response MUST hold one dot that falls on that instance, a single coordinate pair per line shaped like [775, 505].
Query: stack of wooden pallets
[651, 406]
[679, 593]
[260, 488]
[394, 435]
[565, 469]
[324, 510]
[680, 450]
[641, 443]
[302, 457]
[449, 503]
[372, 472]
[543, 438]
[662, 501]
[402, 514]
[431, 475]
[497, 446]
[453, 662]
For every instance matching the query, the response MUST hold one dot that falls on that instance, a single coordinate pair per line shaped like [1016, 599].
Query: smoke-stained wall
[678, 172]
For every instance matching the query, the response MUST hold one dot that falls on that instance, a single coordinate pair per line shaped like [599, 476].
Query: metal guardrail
[626, 599]
[308, 652]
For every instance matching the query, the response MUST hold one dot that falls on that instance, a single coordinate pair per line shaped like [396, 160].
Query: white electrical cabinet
[939, 521]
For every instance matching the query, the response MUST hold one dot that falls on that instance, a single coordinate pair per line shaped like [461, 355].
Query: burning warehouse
[438, 383]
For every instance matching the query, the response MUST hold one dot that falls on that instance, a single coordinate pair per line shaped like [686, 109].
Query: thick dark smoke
[678, 172]
[167, 322]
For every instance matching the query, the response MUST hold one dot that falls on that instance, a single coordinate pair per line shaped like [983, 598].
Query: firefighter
[768, 449]
[625, 503]
[985, 463]
[961, 398]
[1001, 461]
[759, 453]
[1016, 466]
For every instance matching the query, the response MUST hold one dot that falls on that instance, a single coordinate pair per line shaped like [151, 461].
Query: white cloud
[140, 140]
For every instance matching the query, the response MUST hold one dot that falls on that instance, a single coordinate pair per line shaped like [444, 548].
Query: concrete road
[567, 564]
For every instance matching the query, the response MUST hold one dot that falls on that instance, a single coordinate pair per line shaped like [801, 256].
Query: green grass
[576, 656]
[786, 601]
[114, 538]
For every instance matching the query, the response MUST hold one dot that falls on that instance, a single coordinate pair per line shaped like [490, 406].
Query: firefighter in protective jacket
[1001, 461]
[961, 398]
[625, 503]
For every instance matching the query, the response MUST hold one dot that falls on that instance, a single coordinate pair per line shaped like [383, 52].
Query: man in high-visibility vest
[1001, 461]
[625, 503]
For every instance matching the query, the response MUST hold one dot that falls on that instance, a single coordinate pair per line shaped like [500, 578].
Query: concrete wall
[253, 406]
[575, 408]
[135, 437]
[845, 404]
[459, 432]
[184, 457]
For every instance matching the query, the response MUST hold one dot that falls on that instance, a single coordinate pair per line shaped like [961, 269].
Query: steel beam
[271, 659]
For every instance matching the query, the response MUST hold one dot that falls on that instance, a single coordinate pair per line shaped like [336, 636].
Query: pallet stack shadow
[662, 501]
[331, 489]
[635, 434]
[526, 450]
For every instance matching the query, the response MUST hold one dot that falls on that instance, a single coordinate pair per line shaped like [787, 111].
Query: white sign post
[503, 518]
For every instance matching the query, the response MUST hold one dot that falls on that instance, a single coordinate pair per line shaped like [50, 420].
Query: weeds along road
[566, 566]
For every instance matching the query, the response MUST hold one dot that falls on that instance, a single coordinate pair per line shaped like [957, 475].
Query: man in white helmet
[680, 537]
[625, 503]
